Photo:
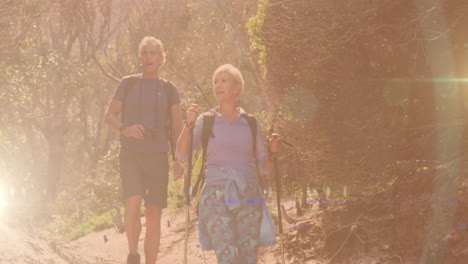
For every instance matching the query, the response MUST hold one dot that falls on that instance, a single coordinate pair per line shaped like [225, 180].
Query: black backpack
[207, 132]
[130, 83]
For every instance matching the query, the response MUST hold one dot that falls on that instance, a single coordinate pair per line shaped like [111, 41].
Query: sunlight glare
[315, 192]
[3, 202]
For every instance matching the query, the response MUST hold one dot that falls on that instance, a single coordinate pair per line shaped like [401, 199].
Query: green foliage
[254, 26]
[66, 228]
[299, 105]
[175, 196]
[88, 207]
[422, 169]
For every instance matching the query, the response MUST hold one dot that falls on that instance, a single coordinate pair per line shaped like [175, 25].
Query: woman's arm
[182, 143]
[191, 122]
[265, 153]
[274, 147]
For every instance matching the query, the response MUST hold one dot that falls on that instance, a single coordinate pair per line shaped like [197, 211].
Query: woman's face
[225, 89]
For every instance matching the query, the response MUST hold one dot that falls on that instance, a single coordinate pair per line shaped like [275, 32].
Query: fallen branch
[389, 258]
[289, 219]
[351, 231]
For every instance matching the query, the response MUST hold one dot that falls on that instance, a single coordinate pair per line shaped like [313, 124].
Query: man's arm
[112, 118]
[176, 121]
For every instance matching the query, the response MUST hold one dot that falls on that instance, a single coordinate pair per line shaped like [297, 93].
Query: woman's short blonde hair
[234, 72]
[152, 40]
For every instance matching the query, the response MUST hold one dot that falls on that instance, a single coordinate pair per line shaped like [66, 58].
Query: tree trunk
[304, 203]
[54, 166]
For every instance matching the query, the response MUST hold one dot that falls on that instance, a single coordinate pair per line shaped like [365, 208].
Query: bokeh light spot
[299, 105]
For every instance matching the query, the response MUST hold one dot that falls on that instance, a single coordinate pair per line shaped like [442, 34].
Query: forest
[368, 96]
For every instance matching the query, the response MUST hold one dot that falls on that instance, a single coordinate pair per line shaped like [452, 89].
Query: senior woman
[233, 217]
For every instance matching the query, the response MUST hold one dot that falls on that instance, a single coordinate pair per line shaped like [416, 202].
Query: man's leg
[132, 191]
[132, 222]
[153, 233]
[156, 171]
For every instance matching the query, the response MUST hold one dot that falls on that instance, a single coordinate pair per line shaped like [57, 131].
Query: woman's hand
[274, 147]
[191, 115]
[274, 144]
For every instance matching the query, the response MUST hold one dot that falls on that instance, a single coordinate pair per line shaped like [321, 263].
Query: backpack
[132, 80]
[207, 132]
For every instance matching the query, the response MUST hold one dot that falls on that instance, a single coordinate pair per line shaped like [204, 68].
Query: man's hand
[178, 170]
[134, 131]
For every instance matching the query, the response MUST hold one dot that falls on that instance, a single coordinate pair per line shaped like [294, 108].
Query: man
[141, 110]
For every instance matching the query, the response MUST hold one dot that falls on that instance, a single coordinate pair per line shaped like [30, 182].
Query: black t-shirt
[140, 108]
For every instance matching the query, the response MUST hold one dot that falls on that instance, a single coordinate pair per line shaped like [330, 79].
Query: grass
[95, 223]
[70, 228]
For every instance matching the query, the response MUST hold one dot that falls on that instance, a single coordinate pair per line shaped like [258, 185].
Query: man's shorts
[145, 174]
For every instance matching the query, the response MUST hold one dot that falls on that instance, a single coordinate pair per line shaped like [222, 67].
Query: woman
[233, 217]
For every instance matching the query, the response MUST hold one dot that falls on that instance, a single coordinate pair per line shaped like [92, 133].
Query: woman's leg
[219, 222]
[248, 222]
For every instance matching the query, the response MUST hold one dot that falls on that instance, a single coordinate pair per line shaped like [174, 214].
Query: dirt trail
[109, 247]
[17, 247]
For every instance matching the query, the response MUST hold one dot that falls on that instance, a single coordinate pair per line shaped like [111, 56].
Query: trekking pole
[187, 179]
[278, 200]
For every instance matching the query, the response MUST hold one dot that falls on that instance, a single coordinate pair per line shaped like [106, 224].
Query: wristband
[188, 125]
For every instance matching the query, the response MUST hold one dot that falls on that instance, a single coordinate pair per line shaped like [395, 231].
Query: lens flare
[299, 105]
[445, 185]
[3, 202]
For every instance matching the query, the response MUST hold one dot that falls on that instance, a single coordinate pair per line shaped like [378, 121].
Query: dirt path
[109, 247]
[18, 247]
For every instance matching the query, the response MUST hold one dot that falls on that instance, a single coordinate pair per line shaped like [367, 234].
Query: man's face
[150, 57]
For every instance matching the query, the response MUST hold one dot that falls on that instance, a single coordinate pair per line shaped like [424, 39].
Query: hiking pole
[188, 177]
[278, 199]
[278, 202]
